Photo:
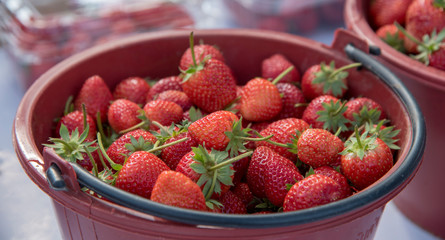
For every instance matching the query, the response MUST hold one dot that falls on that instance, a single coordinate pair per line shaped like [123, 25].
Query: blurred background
[37, 34]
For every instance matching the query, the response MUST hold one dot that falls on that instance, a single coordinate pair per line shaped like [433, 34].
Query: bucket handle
[138, 203]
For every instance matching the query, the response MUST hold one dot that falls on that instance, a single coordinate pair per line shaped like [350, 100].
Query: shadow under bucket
[157, 54]
[422, 201]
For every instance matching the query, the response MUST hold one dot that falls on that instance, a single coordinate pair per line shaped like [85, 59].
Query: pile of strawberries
[413, 27]
[284, 141]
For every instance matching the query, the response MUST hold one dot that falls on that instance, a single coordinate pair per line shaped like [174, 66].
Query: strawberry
[124, 146]
[422, 18]
[96, 96]
[175, 189]
[242, 191]
[392, 36]
[260, 100]
[280, 172]
[139, 173]
[134, 89]
[361, 110]
[338, 177]
[319, 147]
[75, 120]
[173, 154]
[431, 50]
[163, 112]
[210, 130]
[322, 79]
[123, 114]
[274, 65]
[314, 190]
[209, 83]
[326, 112]
[285, 132]
[383, 12]
[164, 84]
[258, 168]
[293, 101]
[232, 204]
[178, 97]
[365, 160]
[201, 52]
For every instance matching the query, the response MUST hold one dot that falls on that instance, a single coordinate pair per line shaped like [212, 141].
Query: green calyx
[332, 78]
[395, 42]
[366, 116]
[439, 4]
[386, 134]
[197, 66]
[71, 147]
[359, 144]
[429, 44]
[215, 169]
[332, 116]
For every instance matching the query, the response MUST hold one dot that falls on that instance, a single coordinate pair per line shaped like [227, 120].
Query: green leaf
[332, 116]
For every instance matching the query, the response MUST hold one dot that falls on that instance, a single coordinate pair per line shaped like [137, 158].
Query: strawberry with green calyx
[285, 134]
[431, 49]
[319, 147]
[175, 189]
[274, 65]
[363, 110]
[326, 112]
[163, 112]
[209, 83]
[260, 98]
[386, 133]
[193, 114]
[314, 190]
[212, 170]
[365, 159]
[392, 36]
[321, 79]
[198, 53]
[75, 120]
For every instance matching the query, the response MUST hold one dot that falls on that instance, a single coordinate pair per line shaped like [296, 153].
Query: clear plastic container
[40, 33]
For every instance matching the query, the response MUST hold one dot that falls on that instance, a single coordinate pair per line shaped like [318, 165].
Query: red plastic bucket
[422, 200]
[157, 54]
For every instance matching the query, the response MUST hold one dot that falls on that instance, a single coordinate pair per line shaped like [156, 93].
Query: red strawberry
[242, 191]
[123, 114]
[210, 130]
[75, 120]
[164, 84]
[284, 131]
[312, 191]
[280, 172]
[293, 101]
[200, 52]
[96, 96]
[258, 167]
[134, 89]
[178, 97]
[326, 112]
[382, 12]
[422, 18]
[139, 173]
[338, 177]
[319, 147]
[274, 65]
[173, 154]
[163, 112]
[118, 150]
[365, 160]
[86, 162]
[392, 36]
[232, 204]
[260, 100]
[361, 110]
[321, 79]
[209, 83]
[175, 189]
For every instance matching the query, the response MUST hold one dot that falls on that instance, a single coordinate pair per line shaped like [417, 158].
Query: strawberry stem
[212, 187]
[192, 50]
[338, 70]
[156, 147]
[409, 36]
[114, 165]
[94, 170]
[284, 73]
[229, 161]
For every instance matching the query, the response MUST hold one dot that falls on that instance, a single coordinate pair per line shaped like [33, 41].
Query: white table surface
[26, 212]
